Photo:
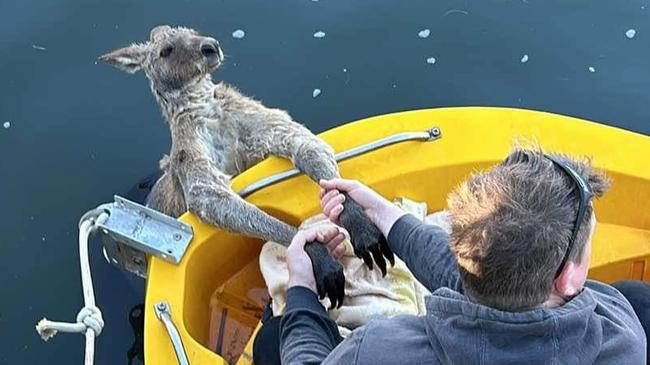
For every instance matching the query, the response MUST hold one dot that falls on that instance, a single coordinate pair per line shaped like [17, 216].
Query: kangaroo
[217, 133]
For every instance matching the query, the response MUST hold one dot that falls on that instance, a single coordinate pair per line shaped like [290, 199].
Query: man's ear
[127, 59]
[565, 284]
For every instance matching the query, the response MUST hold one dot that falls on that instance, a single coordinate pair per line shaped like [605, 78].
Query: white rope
[89, 318]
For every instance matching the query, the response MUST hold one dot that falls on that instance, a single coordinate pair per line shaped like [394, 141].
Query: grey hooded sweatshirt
[598, 326]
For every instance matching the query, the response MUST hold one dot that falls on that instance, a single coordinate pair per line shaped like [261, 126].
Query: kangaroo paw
[328, 273]
[368, 241]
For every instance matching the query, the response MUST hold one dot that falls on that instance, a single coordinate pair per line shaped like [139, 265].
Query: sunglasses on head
[584, 193]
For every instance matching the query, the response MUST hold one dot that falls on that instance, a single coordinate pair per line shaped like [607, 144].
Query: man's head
[172, 58]
[511, 227]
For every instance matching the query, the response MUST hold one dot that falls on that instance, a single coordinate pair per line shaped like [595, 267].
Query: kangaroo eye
[166, 51]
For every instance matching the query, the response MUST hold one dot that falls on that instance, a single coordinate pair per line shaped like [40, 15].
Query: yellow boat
[218, 280]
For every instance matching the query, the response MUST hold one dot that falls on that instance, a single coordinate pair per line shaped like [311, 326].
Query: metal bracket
[165, 316]
[132, 231]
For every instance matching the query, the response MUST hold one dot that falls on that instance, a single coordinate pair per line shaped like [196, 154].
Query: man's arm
[425, 250]
[307, 334]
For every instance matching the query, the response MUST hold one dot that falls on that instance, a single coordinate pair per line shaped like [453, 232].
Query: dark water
[81, 132]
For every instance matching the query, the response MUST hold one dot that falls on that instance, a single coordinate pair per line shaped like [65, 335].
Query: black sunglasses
[584, 193]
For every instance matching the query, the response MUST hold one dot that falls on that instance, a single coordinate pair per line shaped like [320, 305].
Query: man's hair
[511, 226]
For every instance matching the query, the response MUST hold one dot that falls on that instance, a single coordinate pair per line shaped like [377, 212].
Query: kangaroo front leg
[212, 200]
[215, 203]
[315, 158]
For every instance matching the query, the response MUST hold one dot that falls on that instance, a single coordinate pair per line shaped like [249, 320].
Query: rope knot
[91, 317]
[88, 317]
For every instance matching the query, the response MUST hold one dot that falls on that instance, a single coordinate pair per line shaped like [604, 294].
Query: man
[508, 285]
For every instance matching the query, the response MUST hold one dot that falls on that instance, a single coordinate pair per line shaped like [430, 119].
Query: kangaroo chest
[221, 142]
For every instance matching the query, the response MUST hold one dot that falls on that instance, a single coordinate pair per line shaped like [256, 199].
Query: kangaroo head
[171, 59]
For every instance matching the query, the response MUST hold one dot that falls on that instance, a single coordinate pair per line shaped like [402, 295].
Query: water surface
[80, 131]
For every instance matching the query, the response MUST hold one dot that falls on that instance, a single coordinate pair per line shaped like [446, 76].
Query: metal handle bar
[164, 314]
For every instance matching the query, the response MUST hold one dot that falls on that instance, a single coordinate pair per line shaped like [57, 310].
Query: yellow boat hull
[222, 266]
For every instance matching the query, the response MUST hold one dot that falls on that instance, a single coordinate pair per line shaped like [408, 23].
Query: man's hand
[301, 271]
[381, 212]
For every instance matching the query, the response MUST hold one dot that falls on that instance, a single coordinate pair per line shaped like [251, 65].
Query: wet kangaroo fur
[217, 133]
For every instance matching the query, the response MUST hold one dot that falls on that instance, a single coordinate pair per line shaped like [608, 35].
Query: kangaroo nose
[210, 48]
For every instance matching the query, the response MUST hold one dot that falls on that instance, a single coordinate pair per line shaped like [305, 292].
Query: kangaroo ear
[127, 59]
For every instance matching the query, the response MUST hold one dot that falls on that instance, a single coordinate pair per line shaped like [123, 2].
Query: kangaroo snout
[211, 50]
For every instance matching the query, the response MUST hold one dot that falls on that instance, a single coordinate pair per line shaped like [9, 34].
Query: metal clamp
[425, 136]
[163, 313]
[132, 231]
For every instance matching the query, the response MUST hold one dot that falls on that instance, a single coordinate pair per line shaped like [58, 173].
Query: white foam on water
[238, 34]
[424, 33]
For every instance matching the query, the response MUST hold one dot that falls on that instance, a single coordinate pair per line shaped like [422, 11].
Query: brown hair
[511, 226]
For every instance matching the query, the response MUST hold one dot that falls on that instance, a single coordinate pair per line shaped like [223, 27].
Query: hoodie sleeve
[425, 250]
[347, 352]
[307, 334]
